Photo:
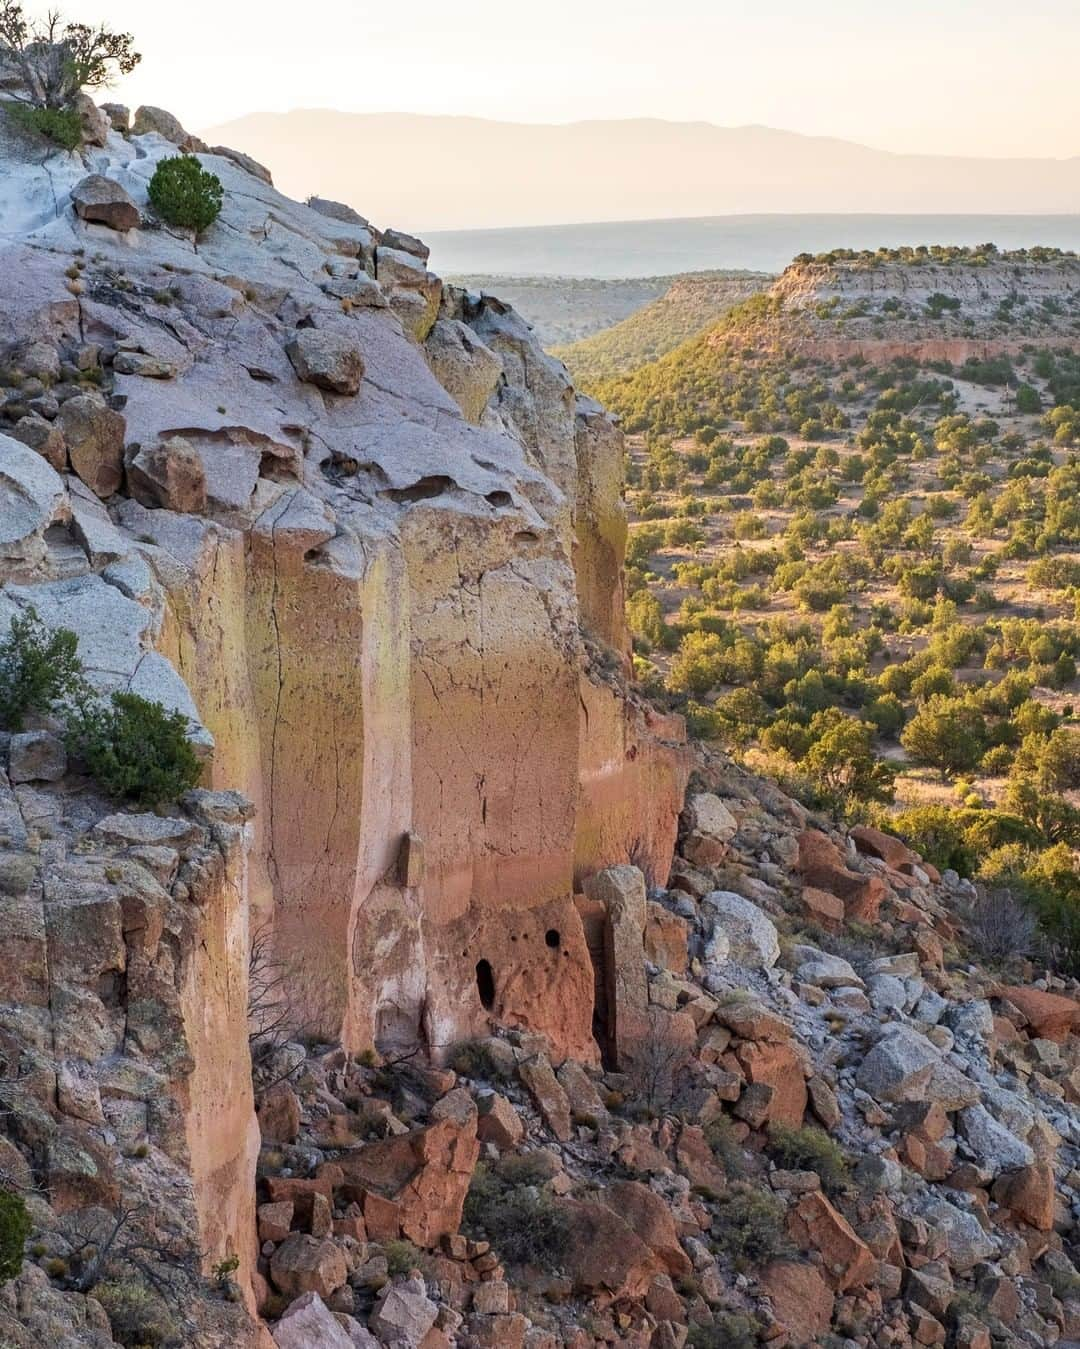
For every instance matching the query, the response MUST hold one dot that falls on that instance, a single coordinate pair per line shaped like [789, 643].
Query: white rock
[751, 935]
[996, 1149]
[899, 1066]
[309, 1324]
[823, 970]
[887, 993]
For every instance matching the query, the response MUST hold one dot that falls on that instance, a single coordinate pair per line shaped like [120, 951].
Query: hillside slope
[691, 304]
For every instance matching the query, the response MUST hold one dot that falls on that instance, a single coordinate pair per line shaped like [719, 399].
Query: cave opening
[552, 938]
[485, 984]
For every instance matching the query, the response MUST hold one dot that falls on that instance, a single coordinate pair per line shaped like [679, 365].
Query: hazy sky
[989, 77]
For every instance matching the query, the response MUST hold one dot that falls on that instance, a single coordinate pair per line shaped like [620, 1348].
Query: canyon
[464, 1001]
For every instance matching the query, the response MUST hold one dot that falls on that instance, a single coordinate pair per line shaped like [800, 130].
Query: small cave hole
[498, 499]
[552, 938]
[485, 984]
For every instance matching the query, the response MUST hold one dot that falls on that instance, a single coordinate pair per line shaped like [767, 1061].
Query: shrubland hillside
[690, 305]
[863, 574]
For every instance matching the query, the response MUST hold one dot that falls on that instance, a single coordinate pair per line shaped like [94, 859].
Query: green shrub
[135, 749]
[138, 1317]
[525, 1226]
[472, 1058]
[39, 670]
[401, 1256]
[810, 1149]
[62, 126]
[749, 1226]
[14, 1229]
[729, 1330]
[185, 194]
[726, 1148]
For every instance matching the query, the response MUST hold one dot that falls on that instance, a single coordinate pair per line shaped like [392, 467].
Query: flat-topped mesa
[934, 303]
[367, 529]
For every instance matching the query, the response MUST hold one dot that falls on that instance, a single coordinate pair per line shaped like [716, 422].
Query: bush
[136, 749]
[138, 1317]
[39, 670]
[810, 1150]
[185, 194]
[998, 927]
[401, 1256]
[749, 1226]
[726, 1148]
[729, 1330]
[14, 1229]
[524, 1225]
[62, 126]
[472, 1058]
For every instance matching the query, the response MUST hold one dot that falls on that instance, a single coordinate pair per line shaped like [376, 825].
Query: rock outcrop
[359, 530]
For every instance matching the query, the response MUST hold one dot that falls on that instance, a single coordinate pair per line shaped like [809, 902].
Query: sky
[983, 77]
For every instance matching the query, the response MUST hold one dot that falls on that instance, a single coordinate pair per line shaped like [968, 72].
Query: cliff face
[361, 529]
[932, 309]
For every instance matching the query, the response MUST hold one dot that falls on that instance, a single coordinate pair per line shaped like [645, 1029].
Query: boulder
[802, 1301]
[119, 115]
[170, 475]
[36, 756]
[425, 1173]
[498, 1122]
[620, 890]
[1049, 1015]
[94, 435]
[965, 1239]
[848, 1261]
[245, 162]
[308, 1323]
[43, 437]
[821, 866]
[279, 1114]
[103, 201]
[305, 1264]
[161, 123]
[468, 370]
[885, 847]
[995, 1148]
[651, 1218]
[32, 497]
[94, 123]
[405, 243]
[899, 1066]
[748, 934]
[822, 908]
[605, 1256]
[143, 364]
[666, 938]
[547, 1091]
[777, 1067]
[403, 1315]
[327, 360]
[1029, 1195]
[813, 966]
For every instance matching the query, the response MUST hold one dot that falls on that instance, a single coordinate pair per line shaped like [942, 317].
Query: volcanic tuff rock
[391, 612]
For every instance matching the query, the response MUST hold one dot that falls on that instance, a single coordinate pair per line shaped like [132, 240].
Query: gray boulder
[103, 201]
[468, 370]
[740, 931]
[36, 756]
[995, 1147]
[404, 1315]
[327, 360]
[308, 1322]
[899, 1066]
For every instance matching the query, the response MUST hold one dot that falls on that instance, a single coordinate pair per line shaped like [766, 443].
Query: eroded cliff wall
[362, 531]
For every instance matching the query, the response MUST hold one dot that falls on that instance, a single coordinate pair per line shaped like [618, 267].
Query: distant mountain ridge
[429, 172]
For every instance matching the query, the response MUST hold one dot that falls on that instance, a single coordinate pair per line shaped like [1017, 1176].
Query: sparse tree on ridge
[56, 59]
